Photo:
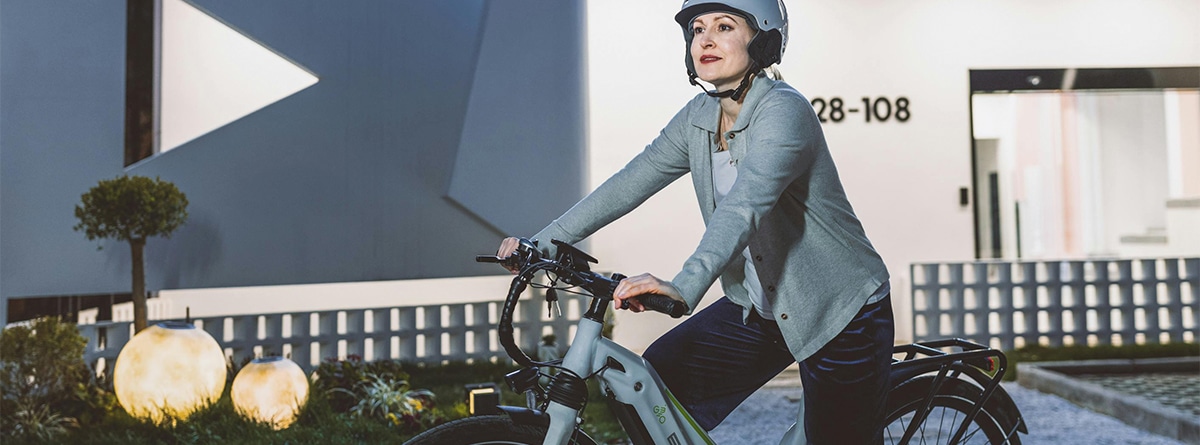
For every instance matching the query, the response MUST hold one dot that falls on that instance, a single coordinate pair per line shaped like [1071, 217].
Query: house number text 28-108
[874, 110]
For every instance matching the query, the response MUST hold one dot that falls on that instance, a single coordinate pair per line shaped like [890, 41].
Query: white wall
[1132, 136]
[902, 179]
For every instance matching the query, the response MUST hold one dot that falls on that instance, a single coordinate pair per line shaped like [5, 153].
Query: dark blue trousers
[713, 361]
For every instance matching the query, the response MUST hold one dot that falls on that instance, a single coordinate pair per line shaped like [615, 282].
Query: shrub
[93, 401]
[348, 375]
[389, 399]
[41, 367]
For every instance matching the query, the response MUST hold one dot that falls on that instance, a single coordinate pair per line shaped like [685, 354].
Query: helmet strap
[735, 94]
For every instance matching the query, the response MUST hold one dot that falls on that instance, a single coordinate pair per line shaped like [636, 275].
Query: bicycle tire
[487, 430]
[955, 398]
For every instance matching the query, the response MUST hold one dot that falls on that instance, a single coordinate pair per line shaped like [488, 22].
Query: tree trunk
[139, 284]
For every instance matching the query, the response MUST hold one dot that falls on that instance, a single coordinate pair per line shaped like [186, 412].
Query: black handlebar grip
[487, 259]
[660, 303]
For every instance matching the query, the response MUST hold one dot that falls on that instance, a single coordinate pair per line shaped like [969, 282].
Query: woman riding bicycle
[801, 279]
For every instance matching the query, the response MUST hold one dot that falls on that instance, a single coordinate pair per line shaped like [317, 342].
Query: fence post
[957, 304]
[1054, 303]
[457, 330]
[408, 334]
[433, 336]
[1128, 307]
[245, 335]
[356, 325]
[481, 326]
[381, 333]
[1078, 302]
[301, 338]
[327, 335]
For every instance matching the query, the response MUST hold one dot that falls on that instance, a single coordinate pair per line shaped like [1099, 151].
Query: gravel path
[764, 417]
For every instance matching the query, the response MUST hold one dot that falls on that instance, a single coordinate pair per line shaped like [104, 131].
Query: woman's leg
[846, 382]
[712, 361]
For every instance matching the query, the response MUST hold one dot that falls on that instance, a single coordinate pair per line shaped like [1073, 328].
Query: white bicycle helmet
[768, 17]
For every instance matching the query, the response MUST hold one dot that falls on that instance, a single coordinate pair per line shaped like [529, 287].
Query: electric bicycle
[943, 392]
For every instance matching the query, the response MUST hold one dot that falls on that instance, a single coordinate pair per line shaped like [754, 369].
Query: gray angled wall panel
[62, 98]
[370, 174]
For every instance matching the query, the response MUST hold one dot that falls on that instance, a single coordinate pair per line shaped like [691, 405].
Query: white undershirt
[724, 174]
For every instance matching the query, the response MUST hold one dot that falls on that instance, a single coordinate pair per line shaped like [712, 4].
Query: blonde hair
[773, 71]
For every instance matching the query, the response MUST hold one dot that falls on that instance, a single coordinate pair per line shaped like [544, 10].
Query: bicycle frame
[647, 410]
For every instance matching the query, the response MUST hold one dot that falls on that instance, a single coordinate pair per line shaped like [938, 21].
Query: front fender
[521, 415]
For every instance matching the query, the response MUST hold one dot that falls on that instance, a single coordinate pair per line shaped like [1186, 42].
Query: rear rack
[928, 353]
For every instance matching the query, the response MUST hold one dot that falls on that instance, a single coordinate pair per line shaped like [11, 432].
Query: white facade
[902, 178]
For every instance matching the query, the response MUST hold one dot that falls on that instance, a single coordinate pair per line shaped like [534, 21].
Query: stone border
[1143, 413]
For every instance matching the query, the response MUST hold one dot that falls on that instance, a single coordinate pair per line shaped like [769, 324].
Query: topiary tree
[132, 208]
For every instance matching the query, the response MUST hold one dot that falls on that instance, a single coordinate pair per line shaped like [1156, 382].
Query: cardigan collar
[708, 113]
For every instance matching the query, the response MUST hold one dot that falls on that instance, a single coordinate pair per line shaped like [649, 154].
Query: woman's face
[719, 48]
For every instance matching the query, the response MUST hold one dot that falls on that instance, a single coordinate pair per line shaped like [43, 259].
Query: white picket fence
[415, 334]
[1104, 301]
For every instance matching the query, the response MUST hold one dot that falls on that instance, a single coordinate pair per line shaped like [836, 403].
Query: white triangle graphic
[213, 75]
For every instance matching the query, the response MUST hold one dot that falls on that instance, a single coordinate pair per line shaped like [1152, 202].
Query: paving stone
[1177, 390]
[764, 417]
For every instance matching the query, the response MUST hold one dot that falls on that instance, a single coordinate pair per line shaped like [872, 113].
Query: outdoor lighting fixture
[168, 371]
[482, 399]
[270, 390]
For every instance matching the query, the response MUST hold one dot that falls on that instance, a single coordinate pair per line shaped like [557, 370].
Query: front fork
[564, 401]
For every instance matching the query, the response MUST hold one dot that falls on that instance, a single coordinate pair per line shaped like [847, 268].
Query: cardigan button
[758, 258]
[783, 316]
[770, 288]
[731, 135]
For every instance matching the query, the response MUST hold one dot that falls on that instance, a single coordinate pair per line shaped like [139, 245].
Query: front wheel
[488, 430]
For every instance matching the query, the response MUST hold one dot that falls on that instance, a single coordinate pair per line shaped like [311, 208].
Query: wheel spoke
[941, 425]
[982, 429]
[967, 437]
[954, 427]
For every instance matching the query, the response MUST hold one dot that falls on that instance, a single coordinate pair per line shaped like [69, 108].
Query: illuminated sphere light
[270, 390]
[168, 371]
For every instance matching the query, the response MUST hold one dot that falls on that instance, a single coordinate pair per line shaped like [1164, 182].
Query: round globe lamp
[168, 371]
[270, 390]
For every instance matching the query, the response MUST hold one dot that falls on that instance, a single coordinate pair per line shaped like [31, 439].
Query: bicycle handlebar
[570, 267]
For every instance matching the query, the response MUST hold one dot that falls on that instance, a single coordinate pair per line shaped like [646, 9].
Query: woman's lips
[709, 59]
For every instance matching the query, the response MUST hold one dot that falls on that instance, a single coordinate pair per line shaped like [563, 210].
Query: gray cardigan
[813, 258]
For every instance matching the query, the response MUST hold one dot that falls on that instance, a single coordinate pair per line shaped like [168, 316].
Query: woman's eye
[725, 28]
[697, 30]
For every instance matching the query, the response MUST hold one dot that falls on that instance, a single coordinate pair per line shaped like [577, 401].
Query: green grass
[317, 424]
[1038, 353]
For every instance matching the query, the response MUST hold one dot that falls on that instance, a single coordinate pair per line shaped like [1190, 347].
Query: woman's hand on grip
[642, 284]
[508, 247]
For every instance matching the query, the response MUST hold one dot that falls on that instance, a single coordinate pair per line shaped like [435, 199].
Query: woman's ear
[765, 47]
